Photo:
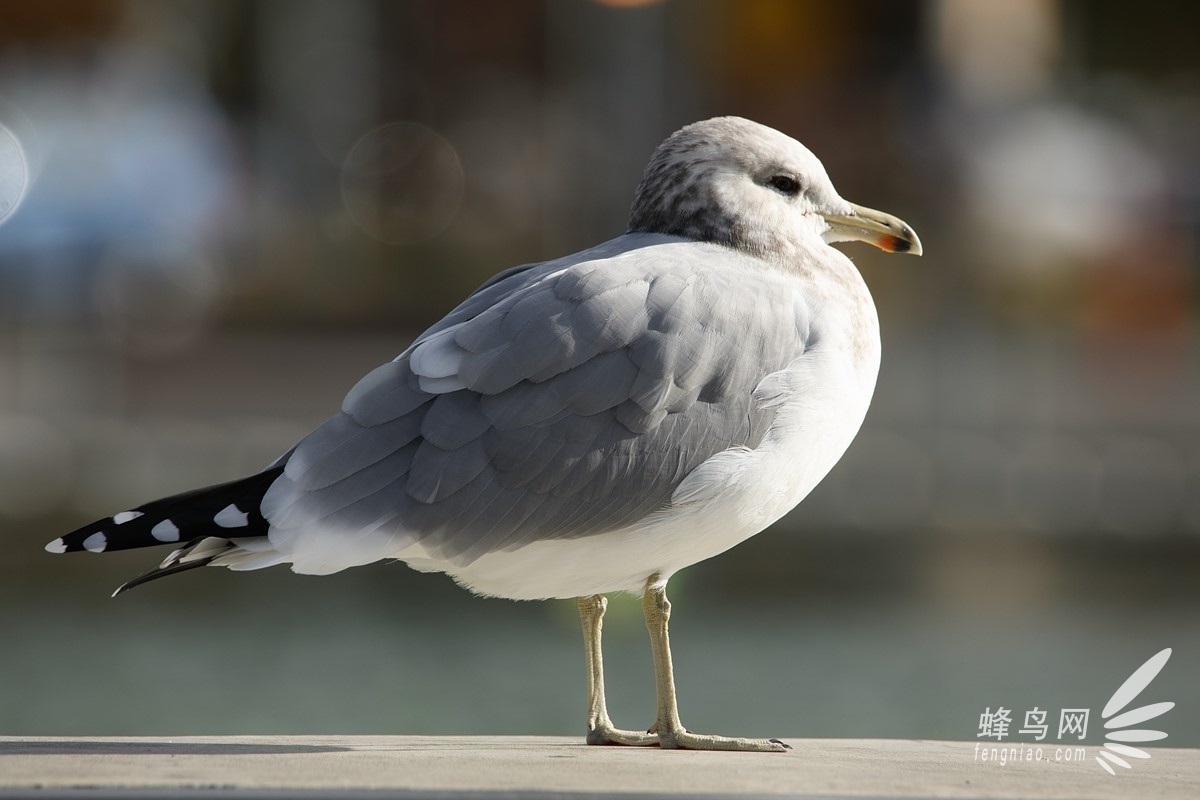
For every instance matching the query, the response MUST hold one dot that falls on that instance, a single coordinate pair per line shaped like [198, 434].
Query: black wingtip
[224, 510]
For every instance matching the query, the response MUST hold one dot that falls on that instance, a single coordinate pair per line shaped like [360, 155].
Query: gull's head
[735, 182]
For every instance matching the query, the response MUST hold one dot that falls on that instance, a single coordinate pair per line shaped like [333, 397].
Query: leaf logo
[1116, 726]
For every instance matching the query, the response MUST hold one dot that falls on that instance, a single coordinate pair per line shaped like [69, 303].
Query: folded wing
[559, 401]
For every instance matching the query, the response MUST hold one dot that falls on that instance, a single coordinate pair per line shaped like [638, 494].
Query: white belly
[822, 400]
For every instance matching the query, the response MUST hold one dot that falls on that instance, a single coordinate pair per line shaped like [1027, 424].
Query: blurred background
[216, 215]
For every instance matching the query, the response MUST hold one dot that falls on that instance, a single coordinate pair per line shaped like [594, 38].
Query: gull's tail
[222, 524]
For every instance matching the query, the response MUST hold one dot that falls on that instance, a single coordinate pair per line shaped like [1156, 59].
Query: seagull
[591, 424]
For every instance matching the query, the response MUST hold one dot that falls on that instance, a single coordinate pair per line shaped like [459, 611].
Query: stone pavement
[382, 767]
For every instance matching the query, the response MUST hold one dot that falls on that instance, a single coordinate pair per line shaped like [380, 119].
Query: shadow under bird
[591, 424]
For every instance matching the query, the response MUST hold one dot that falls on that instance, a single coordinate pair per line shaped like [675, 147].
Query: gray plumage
[590, 388]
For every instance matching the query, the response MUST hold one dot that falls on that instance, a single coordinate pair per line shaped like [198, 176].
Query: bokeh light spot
[402, 183]
[14, 173]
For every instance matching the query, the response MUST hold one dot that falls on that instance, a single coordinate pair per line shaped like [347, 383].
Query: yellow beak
[874, 227]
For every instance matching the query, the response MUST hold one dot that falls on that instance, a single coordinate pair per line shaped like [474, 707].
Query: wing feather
[561, 400]
[342, 447]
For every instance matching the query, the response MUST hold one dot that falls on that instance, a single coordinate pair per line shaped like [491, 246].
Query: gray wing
[555, 402]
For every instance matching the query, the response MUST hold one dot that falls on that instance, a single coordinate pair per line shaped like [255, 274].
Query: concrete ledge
[540, 767]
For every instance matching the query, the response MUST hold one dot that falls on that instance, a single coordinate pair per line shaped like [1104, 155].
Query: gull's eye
[785, 184]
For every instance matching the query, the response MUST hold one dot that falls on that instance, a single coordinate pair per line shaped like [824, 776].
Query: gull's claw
[686, 740]
[605, 733]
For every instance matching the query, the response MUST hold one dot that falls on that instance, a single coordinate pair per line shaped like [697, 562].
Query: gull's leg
[671, 733]
[600, 729]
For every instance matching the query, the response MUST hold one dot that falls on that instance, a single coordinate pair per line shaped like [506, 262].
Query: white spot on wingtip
[232, 517]
[57, 546]
[126, 516]
[165, 531]
[95, 543]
